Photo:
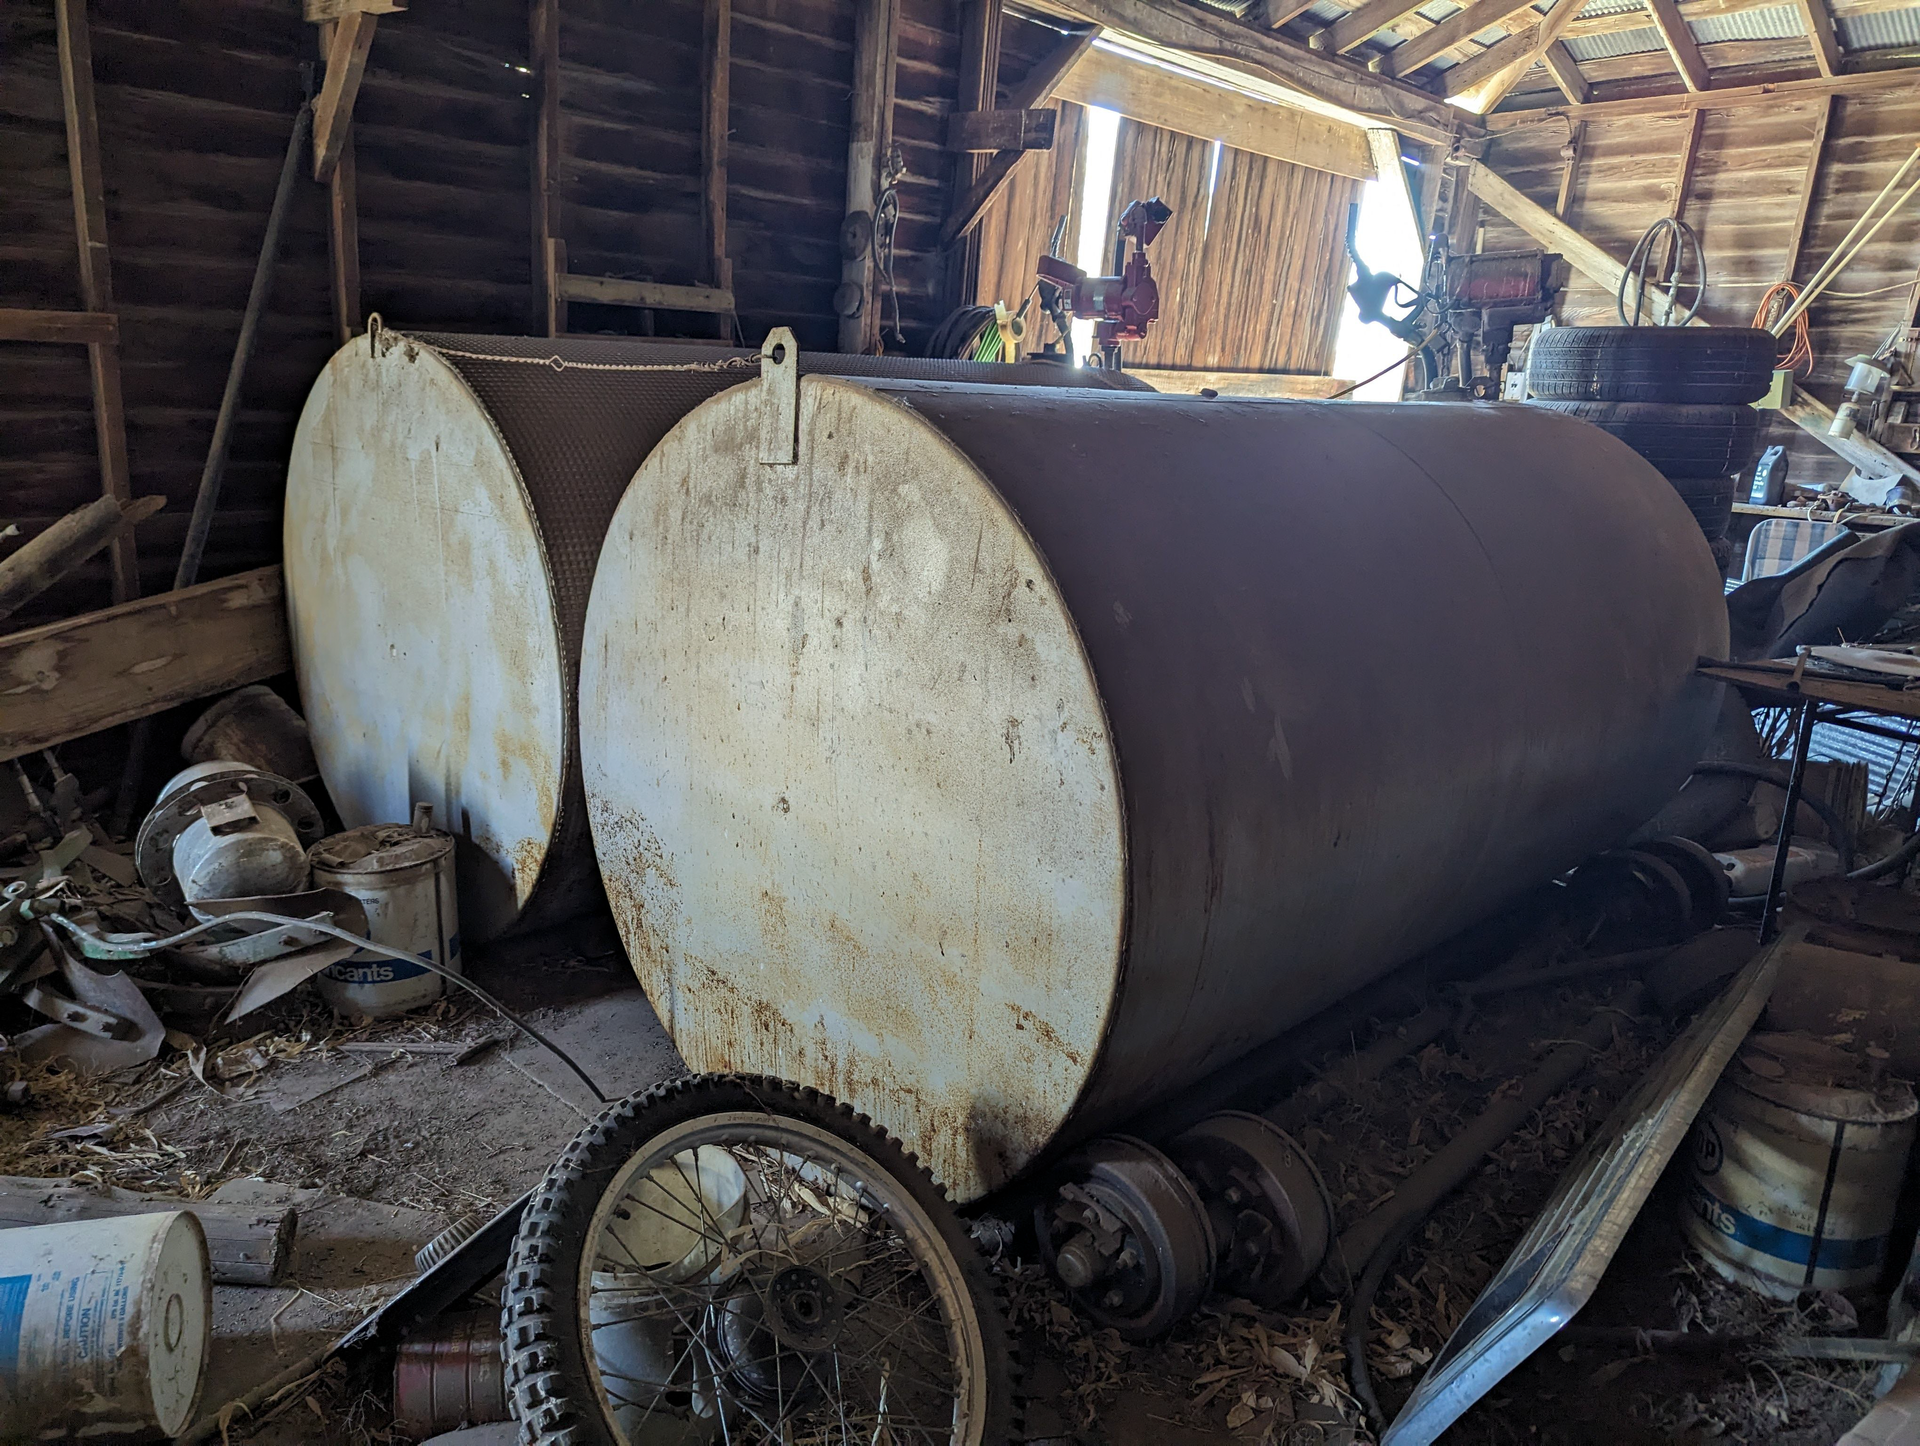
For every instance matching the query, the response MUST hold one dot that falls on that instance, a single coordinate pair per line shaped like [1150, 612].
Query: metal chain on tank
[383, 339]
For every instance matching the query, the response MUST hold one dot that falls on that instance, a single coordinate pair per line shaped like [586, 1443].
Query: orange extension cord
[1799, 356]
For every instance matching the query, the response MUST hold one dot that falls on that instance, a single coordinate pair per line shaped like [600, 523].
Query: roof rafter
[1677, 36]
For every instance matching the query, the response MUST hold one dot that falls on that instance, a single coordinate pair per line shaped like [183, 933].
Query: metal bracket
[780, 398]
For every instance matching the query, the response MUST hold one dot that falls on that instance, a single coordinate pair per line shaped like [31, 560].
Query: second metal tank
[1001, 762]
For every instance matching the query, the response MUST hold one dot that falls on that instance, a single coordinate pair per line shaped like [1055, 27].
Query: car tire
[1690, 365]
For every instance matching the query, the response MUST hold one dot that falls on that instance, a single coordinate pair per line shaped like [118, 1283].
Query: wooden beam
[1548, 229]
[1392, 174]
[1198, 107]
[1297, 385]
[1366, 19]
[1818, 24]
[1001, 130]
[1280, 12]
[1545, 36]
[343, 245]
[980, 25]
[1565, 71]
[72, 678]
[1576, 142]
[88, 327]
[876, 29]
[650, 295]
[1678, 38]
[333, 109]
[1859, 451]
[716, 63]
[1624, 20]
[1208, 42]
[1455, 30]
[1689, 157]
[1809, 179]
[1035, 87]
[343, 230]
[543, 59]
[318, 12]
[96, 274]
[1878, 82]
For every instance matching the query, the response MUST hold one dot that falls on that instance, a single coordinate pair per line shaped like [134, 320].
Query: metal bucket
[450, 1374]
[104, 1326]
[403, 873]
[1796, 1170]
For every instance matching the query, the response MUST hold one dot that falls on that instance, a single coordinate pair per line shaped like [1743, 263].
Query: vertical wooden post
[1576, 138]
[716, 55]
[543, 57]
[1809, 179]
[875, 42]
[96, 275]
[1689, 156]
[979, 83]
[343, 228]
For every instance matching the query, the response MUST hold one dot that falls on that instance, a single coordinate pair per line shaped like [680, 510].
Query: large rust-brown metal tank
[446, 497]
[1001, 762]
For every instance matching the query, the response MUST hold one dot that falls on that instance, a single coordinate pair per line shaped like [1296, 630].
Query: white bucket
[404, 876]
[105, 1325]
[1797, 1164]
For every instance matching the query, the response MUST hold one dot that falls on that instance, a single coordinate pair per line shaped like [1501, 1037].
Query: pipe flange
[1269, 1208]
[214, 784]
[1126, 1233]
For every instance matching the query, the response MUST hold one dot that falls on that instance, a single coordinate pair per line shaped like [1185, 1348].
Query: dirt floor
[346, 1118]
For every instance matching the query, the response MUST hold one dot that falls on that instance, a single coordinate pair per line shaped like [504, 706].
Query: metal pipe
[1460, 1156]
[1777, 881]
[1828, 268]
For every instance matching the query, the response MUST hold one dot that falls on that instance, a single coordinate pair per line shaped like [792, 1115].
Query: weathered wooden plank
[1678, 38]
[1365, 19]
[333, 107]
[1154, 95]
[543, 51]
[245, 1245]
[68, 679]
[343, 229]
[1873, 82]
[1295, 385]
[1565, 71]
[716, 65]
[1809, 179]
[86, 327]
[1456, 29]
[1818, 24]
[96, 275]
[1490, 81]
[876, 41]
[1318, 82]
[1689, 158]
[653, 295]
[1035, 87]
[1001, 130]
[319, 11]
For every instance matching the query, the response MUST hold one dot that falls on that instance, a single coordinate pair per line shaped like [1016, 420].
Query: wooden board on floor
[68, 679]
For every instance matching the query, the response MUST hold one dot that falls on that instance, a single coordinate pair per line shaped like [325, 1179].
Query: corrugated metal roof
[1888, 29]
[1619, 42]
[1775, 22]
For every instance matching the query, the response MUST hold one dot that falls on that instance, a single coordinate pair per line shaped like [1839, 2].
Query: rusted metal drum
[446, 498]
[1001, 762]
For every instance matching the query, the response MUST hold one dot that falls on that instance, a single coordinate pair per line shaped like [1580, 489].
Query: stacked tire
[1679, 396]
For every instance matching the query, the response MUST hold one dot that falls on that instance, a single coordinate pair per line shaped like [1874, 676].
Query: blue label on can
[1779, 1242]
[13, 1309]
[365, 968]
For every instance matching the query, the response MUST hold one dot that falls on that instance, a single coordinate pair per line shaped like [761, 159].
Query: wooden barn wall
[1252, 265]
[195, 101]
[1017, 227]
[1745, 187]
